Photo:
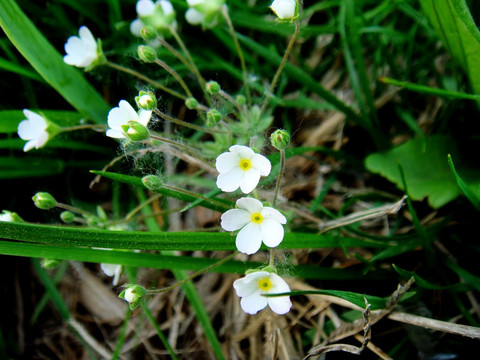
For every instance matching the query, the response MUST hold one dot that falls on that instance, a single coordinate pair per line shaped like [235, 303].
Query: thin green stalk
[73, 209]
[175, 75]
[280, 176]
[162, 337]
[94, 127]
[140, 76]
[239, 52]
[228, 97]
[187, 124]
[194, 275]
[280, 68]
[121, 336]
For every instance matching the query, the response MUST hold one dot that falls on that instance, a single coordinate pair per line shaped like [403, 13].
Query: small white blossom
[257, 223]
[160, 15]
[33, 129]
[241, 168]
[6, 216]
[284, 9]
[121, 115]
[110, 270]
[252, 286]
[81, 51]
[204, 12]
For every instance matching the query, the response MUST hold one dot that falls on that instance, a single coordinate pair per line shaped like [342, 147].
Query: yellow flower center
[257, 218]
[265, 284]
[245, 164]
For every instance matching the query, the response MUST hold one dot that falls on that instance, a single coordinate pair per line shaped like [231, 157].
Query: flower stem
[280, 68]
[194, 275]
[272, 257]
[187, 124]
[73, 209]
[239, 52]
[175, 75]
[140, 76]
[94, 127]
[280, 176]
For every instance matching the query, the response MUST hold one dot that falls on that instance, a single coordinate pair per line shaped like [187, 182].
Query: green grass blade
[463, 186]
[162, 337]
[20, 70]
[46, 60]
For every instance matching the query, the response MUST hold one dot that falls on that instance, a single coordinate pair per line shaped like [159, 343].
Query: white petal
[234, 219]
[278, 284]
[271, 213]
[253, 303]
[250, 181]
[128, 111]
[41, 140]
[29, 145]
[109, 269]
[261, 163]
[272, 232]
[244, 151]
[144, 117]
[194, 17]
[248, 284]
[166, 7]
[116, 134]
[249, 239]
[250, 204]
[284, 9]
[230, 181]
[87, 37]
[227, 161]
[281, 304]
[135, 27]
[116, 119]
[145, 7]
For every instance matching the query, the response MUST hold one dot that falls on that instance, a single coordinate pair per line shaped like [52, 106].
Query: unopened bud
[280, 139]
[148, 33]
[213, 117]
[146, 100]
[67, 217]
[44, 201]
[213, 87]
[240, 99]
[133, 295]
[152, 182]
[285, 9]
[147, 54]
[191, 103]
[135, 131]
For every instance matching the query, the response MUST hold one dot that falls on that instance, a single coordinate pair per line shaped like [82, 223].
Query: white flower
[6, 216]
[257, 224]
[81, 51]
[241, 167]
[114, 270]
[122, 114]
[252, 286]
[284, 9]
[160, 15]
[33, 129]
[205, 12]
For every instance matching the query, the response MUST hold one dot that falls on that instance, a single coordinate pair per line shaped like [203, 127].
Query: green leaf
[424, 162]
[11, 167]
[425, 284]
[455, 25]
[46, 60]
[473, 194]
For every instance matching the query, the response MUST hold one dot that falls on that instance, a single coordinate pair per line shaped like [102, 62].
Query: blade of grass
[463, 186]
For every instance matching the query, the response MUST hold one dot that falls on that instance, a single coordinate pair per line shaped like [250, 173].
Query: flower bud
[285, 9]
[191, 103]
[94, 222]
[213, 117]
[148, 33]
[146, 100]
[152, 182]
[240, 99]
[135, 131]
[212, 87]
[133, 295]
[67, 217]
[10, 216]
[280, 139]
[49, 263]
[147, 54]
[44, 201]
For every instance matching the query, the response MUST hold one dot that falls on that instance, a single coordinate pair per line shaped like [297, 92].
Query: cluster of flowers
[242, 168]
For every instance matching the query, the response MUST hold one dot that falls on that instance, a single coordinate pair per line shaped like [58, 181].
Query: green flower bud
[94, 222]
[148, 33]
[212, 87]
[135, 131]
[133, 294]
[146, 100]
[44, 201]
[147, 54]
[213, 117]
[191, 103]
[240, 99]
[67, 217]
[280, 139]
[152, 182]
[49, 263]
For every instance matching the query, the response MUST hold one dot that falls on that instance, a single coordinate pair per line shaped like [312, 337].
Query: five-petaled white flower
[252, 286]
[114, 270]
[121, 115]
[257, 223]
[241, 167]
[81, 51]
[33, 129]
[284, 9]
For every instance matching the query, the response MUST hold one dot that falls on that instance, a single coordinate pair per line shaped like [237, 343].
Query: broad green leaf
[46, 60]
[457, 29]
[425, 166]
